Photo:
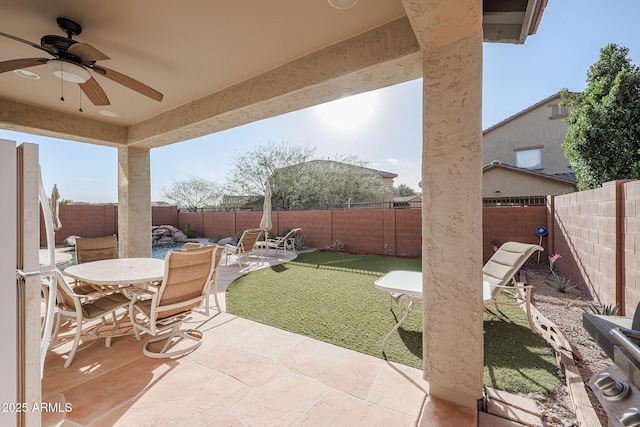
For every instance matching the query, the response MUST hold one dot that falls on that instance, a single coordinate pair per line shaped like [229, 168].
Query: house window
[529, 158]
[559, 112]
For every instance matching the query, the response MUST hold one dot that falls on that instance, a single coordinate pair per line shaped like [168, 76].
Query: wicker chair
[186, 284]
[96, 248]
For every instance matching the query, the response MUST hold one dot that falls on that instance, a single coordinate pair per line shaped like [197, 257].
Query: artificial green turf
[330, 297]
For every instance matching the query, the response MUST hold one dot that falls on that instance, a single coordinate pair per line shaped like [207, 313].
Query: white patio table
[119, 272]
[403, 286]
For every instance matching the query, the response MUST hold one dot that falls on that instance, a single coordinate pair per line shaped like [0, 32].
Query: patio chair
[185, 286]
[70, 304]
[498, 277]
[213, 280]
[192, 245]
[284, 243]
[246, 244]
[96, 248]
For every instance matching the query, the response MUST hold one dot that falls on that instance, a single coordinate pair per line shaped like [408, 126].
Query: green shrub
[190, 232]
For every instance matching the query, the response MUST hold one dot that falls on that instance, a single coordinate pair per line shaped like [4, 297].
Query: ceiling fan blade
[87, 52]
[129, 82]
[94, 92]
[18, 39]
[17, 64]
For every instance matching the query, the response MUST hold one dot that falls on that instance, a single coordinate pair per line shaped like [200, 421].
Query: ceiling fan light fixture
[27, 74]
[343, 4]
[68, 71]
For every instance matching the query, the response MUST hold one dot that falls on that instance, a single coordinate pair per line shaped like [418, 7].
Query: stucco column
[134, 202]
[450, 34]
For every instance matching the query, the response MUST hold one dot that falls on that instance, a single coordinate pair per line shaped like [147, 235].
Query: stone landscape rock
[165, 234]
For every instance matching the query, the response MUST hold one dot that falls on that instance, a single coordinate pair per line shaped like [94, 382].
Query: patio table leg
[410, 302]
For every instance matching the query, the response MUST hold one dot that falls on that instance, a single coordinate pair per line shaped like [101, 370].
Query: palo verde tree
[404, 190]
[298, 179]
[193, 194]
[253, 168]
[603, 127]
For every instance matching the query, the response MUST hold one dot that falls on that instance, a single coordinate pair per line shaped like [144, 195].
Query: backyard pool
[160, 251]
[157, 251]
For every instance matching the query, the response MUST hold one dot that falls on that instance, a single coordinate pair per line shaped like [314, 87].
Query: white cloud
[392, 161]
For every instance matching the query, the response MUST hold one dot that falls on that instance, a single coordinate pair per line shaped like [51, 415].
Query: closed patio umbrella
[54, 204]
[265, 222]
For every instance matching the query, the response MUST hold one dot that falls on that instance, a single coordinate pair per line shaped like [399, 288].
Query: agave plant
[298, 241]
[605, 310]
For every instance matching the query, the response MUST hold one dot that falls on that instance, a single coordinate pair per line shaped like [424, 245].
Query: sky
[382, 127]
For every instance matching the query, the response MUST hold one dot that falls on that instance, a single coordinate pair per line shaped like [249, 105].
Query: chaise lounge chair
[245, 245]
[498, 277]
[283, 243]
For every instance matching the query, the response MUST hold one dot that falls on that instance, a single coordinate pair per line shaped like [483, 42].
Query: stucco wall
[532, 129]
[511, 183]
[516, 224]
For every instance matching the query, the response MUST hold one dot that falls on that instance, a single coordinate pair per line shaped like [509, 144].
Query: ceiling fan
[73, 60]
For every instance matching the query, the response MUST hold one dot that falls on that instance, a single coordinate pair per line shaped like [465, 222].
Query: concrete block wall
[631, 244]
[584, 225]
[164, 215]
[316, 226]
[513, 224]
[83, 221]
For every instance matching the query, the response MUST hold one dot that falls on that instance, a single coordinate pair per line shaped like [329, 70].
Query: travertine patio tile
[226, 420]
[223, 328]
[400, 388]
[265, 341]
[339, 409]
[279, 402]
[93, 398]
[247, 368]
[440, 413]
[186, 397]
[88, 363]
[337, 367]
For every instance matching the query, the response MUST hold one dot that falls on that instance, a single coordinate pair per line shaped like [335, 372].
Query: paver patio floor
[244, 374]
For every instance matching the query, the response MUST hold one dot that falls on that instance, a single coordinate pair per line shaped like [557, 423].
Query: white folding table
[404, 286]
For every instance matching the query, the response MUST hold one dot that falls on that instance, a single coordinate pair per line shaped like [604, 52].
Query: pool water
[157, 251]
[160, 251]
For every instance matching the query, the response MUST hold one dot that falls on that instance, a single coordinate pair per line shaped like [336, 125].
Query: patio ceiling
[219, 64]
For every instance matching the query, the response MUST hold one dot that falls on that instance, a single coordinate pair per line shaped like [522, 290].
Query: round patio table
[118, 272]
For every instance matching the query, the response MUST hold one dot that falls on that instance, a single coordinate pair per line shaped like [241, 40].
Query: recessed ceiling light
[27, 74]
[343, 4]
[108, 113]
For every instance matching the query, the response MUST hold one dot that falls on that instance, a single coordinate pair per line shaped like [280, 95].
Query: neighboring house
[501, 180]
[233, 203]
[529, 140]
[407, 202]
